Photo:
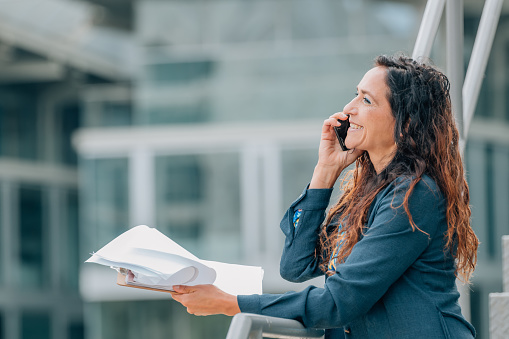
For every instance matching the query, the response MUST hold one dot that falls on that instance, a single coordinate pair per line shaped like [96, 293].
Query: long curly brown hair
[427, 143]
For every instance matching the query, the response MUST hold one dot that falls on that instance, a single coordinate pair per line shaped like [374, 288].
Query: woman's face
[371, 120]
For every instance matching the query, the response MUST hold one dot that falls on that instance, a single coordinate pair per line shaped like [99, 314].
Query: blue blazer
[396, 283]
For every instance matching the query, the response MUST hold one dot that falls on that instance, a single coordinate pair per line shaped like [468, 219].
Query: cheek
[383, 127]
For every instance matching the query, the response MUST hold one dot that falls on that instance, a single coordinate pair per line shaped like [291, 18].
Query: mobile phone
[341, 132]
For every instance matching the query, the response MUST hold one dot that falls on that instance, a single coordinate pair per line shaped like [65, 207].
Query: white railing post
[499, 302]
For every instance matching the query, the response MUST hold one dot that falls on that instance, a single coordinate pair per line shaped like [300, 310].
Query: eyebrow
[368, 93]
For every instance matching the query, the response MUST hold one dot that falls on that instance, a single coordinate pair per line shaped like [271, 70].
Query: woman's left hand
[205, 300]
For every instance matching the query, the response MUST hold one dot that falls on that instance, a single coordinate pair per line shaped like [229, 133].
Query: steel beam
[428, 29]
[479, 59]
[454, 58]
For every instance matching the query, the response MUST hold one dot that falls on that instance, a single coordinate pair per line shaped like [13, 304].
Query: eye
[366, 101]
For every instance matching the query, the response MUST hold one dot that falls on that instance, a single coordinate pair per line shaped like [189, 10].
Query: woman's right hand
[332, 160]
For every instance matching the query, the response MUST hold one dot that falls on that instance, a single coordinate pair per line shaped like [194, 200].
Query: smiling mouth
[355, 126]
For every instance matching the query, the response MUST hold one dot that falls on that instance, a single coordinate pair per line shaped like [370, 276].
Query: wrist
[324, 176]
[231, 305]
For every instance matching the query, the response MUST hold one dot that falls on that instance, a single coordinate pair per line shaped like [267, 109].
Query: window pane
[35, 326]
[198, 203]
[105, 192]
[298, 167]
[77, 331]
[71, 260]
[70, 116]
[31, 235]
[171, 113]
[179, 72]
[18, 122]
[116, 114]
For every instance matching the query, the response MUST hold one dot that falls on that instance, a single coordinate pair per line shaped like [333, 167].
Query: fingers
[179, 296]
[184, 300]
[181, 289]
[205, 300]
[340, 116]
[334, 121]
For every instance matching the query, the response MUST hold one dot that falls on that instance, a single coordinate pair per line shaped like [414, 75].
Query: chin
[354, 147]
[349, 145]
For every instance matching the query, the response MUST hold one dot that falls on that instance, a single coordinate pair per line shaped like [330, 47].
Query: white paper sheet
[237, 279]
[159, 262]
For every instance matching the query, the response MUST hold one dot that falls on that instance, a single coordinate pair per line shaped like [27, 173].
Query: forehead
[374, 80]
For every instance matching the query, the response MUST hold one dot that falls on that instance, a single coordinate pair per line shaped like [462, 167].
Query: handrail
[464, 101]
[255, 326]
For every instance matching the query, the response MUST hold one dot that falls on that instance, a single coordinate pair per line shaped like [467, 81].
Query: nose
[350, 108]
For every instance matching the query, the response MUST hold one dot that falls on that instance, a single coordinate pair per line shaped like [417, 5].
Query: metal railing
[499, 302]
[464, 95]
[254, 326]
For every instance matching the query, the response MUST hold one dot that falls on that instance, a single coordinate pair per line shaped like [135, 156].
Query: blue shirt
[396, 283]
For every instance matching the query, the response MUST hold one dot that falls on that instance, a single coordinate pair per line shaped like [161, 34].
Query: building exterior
[50, 52]
[200, 118]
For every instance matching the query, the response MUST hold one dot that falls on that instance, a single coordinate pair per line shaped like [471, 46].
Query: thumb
[182, 289]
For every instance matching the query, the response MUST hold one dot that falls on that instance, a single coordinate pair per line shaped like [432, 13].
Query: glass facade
[487, 165]
[187, 207]
[286, 63]
[39, 237]
[277, 66]
[18, 122]
[156, 319]
[106, 200]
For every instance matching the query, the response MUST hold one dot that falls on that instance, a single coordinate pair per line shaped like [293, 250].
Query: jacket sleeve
[389, 247]
[298, 261]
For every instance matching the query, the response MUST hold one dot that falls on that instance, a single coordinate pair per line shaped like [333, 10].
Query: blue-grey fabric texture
[396, 283]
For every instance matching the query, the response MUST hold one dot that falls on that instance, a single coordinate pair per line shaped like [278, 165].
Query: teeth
[354, 126]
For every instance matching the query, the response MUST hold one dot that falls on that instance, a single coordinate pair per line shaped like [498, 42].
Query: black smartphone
[341, 132]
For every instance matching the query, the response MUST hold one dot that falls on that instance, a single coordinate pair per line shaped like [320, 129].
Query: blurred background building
[200, 118]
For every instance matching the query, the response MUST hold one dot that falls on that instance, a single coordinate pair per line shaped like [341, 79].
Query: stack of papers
[149, 259]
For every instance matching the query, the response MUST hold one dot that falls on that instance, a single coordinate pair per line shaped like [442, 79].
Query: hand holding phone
[341, 132]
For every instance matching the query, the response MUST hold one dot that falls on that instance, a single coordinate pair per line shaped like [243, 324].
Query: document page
[156, 261]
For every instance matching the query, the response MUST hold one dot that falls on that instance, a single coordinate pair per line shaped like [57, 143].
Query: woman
[399, 235]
